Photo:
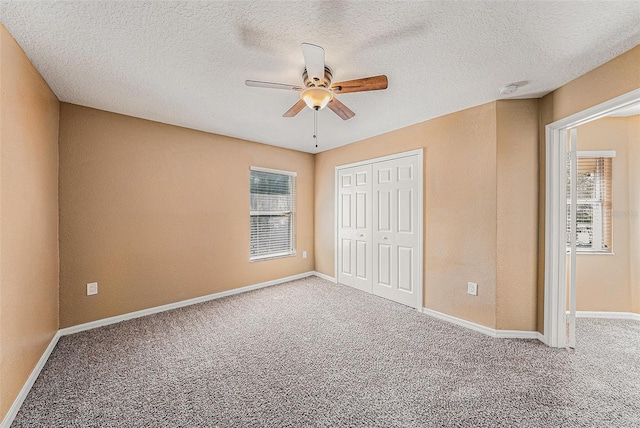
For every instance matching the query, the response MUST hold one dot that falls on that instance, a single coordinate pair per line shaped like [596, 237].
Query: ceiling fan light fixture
[316, 98]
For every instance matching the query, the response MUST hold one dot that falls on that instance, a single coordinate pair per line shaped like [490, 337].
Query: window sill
[271, 257]
[592, 253]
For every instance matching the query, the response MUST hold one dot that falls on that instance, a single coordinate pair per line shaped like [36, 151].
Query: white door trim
[420, 154]
[556, 217]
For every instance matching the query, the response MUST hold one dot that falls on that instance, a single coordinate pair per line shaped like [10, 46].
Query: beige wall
[603, 281]
[517, 215]
[616, 77]
[28, 218]
[157, 214]
[460, 208]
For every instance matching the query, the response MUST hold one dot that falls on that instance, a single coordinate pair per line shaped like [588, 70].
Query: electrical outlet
[472, 288]
[304, 254]
[92, 288]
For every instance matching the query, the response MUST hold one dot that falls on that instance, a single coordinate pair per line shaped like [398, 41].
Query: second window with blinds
[593, 216]
[272, 210]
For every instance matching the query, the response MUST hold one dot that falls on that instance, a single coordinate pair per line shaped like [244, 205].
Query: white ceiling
[185, 63]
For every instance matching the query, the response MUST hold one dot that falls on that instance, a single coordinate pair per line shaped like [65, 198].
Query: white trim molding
[22, 395]
[608, 315]
[382, 158]
[273, 171]
[498, 334]
[323, 276]
[596, 153]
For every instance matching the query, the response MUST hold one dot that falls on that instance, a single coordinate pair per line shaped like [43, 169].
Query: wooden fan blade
[374, 83]
[270, 85]
[340, 109]
[297, 108]
[314, 61]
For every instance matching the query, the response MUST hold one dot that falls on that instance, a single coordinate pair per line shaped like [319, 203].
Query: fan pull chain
[315, 126]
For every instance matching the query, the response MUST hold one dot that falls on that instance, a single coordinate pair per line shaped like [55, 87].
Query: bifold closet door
[354, 227]
[396, 237]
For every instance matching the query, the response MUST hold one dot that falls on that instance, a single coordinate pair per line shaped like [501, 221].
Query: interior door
[354, 227]
[396, 229]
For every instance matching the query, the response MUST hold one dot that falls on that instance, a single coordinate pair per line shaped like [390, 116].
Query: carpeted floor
[310, 353]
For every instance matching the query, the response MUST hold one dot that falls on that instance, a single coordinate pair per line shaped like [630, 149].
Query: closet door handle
[384, 237]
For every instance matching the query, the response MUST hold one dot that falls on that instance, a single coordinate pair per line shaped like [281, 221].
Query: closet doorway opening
[378, 223]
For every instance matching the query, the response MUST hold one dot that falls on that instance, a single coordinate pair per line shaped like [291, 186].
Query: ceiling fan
[318, 90]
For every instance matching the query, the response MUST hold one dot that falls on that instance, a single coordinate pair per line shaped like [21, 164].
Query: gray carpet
[310, 353]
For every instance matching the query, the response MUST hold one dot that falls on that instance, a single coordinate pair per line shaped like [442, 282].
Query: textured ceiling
[185, 63]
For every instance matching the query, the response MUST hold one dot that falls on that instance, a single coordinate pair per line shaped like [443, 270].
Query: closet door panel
[395, 236]
[354, 235]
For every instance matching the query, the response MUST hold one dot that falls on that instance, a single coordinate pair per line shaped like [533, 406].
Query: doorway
[559, 228]
[378, 243]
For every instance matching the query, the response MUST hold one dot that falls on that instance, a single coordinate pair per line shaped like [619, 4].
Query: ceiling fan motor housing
[324, 83]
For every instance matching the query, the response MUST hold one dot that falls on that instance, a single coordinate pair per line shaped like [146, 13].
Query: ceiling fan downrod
[315, 125]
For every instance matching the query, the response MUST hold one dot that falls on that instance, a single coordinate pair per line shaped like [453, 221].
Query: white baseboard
[609, 315]
[22, 395]
[517, 334]
[499, 334]
[323, 276]
[144, 312]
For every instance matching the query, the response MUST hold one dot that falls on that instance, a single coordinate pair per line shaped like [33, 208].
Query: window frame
[291, 214]
[595, 203]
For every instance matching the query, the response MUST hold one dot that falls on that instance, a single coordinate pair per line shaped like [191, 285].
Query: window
[272, 211]
[593, 215]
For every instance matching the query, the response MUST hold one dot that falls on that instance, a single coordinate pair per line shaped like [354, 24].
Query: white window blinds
[594, 228]
[272, 211]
